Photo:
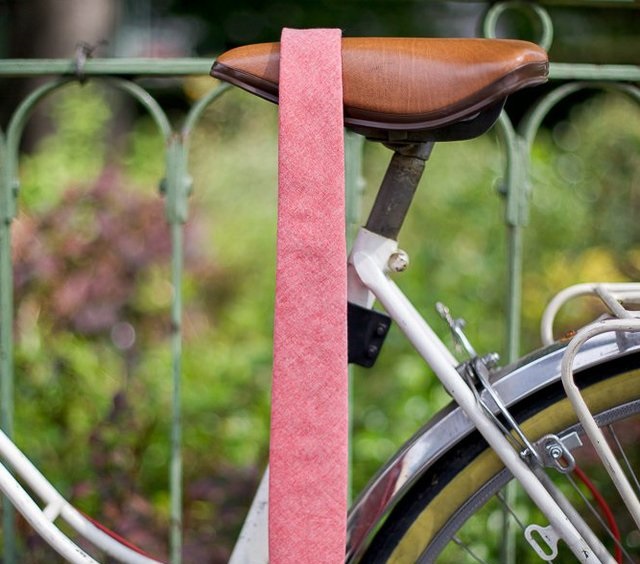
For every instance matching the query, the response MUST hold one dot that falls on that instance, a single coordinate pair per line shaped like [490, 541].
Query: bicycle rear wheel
[453, 512]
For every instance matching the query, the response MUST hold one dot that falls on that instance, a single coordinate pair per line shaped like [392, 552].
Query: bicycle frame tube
[370, 265]
[379, 249]
[253, 543]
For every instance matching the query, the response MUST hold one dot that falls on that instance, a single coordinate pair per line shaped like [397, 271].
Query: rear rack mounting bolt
[398, 261]
[491, 360]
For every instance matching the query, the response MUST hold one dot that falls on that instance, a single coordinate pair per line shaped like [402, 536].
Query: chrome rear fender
[513, 383]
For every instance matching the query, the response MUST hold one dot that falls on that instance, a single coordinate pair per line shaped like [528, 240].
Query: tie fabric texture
[309, 413]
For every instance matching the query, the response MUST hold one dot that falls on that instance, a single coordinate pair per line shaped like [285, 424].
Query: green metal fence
[176, 187]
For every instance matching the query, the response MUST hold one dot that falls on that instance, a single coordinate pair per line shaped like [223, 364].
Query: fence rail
[146, 67]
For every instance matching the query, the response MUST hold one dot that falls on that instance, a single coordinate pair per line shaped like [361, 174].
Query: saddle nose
[405, 84]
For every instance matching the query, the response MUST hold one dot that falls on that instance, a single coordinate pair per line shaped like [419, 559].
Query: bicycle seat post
[398, 187]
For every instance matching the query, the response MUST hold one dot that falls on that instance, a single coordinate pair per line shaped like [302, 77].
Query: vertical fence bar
[354, 146]
[8, 197]
[6, 336]
[176, 187]
[514, 294]
[515, 190]
[516, 221]
[8, 203]
[175, 474]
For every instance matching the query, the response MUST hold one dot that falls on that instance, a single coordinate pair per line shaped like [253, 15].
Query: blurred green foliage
[585, 31]
[93, 294]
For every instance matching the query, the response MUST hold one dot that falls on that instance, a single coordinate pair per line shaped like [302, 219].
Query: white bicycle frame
[369, 260]
[368, 279]
[42, 520]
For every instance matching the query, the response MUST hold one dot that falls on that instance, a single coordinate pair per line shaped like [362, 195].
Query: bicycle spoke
[468, 550]
[624, 456]
[508, 543]
[509, 509]
[598, 517]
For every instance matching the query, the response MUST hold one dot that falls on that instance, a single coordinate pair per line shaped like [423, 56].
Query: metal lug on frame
[398, 261]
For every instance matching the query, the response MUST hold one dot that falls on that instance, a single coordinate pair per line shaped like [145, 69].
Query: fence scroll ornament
[175, 187]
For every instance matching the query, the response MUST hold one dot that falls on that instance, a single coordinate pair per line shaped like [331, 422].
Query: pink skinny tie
[308, 451]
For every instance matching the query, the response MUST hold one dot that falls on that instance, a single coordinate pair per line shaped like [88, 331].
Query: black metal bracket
[367, 329]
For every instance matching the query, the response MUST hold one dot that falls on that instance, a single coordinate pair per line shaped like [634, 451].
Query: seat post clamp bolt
[398, 261]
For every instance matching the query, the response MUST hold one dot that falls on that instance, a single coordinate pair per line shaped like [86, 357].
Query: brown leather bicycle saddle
[401, 84]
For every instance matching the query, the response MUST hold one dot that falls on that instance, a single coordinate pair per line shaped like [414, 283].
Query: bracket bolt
[555, 451]
[398, 261]
[491, 360]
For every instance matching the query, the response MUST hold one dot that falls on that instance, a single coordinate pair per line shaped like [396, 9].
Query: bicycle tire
[458, 485]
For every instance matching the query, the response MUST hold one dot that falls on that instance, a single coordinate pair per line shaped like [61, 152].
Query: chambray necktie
[308, 448]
